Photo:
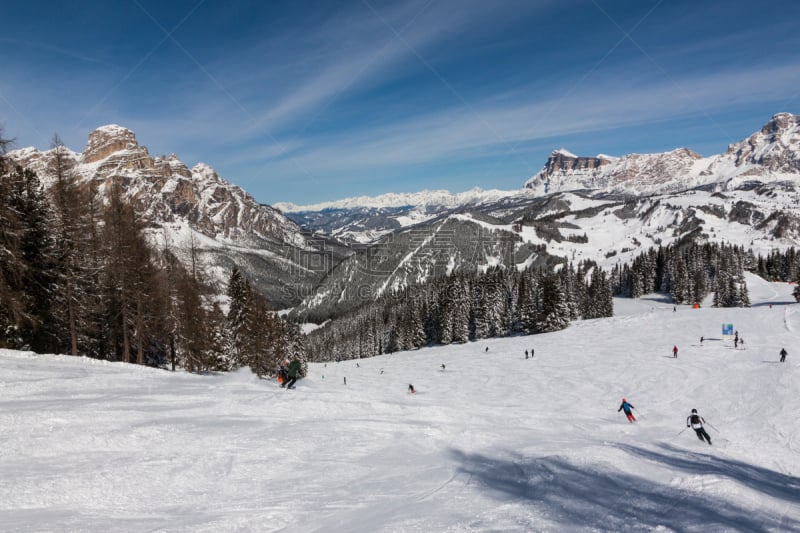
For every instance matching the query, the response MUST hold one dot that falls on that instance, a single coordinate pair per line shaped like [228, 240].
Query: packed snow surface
[493, 442]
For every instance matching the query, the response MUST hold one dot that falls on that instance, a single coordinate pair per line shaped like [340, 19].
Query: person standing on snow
[283, 373]
[696, 422]
[294, 373]
[675, 352]
[627, 408]
[783, 355]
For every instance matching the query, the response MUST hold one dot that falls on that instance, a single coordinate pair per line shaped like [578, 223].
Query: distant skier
[735, 342]
[443, 367]
[531, 353]
[345, 380]
[625, 406]
[526, 354]
[487, 348]
[696, 422]
[675, 352]
[674, 308]
[411, 389]
[294, 372]
[783, 355]
[701, 340]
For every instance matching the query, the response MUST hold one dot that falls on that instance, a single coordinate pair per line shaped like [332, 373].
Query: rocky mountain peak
[775, 147]
[562, 160]
[107, 140]
[780, 122]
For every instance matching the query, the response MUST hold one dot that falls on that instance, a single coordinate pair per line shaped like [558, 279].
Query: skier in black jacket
[696, 422]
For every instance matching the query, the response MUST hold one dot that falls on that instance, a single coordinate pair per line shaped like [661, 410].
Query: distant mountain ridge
[426, 197]
[602, 209]
[770, 154]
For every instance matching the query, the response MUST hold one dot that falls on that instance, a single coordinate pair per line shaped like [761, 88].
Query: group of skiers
[288, 373]
[695, 421]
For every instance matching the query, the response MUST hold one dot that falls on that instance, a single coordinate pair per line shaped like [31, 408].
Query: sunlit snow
[493, 442]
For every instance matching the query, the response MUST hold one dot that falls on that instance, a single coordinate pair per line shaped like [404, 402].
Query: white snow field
[492, 443]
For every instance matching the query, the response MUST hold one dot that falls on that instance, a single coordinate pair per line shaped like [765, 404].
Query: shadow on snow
[599, 497]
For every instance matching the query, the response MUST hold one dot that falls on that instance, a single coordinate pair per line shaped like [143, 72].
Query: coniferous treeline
[463, 307]
[690, 273]
[78, 276]
[781, 266]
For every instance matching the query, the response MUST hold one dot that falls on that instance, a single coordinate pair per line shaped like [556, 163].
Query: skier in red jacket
[627, 408]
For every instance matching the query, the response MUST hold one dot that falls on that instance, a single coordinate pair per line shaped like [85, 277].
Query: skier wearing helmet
[625, 406]
[696, 422]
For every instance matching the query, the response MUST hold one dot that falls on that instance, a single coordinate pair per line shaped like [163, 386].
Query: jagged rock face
[560, 161]
[776, 147]
[633, 173]
[108, 140]
[166, 190]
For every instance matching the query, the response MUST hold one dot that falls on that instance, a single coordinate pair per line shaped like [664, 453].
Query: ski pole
[712, 426]
[684, 429]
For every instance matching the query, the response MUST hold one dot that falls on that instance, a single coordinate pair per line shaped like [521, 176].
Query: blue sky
[309, 101]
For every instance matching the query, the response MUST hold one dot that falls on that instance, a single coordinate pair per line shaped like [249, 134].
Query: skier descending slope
[696, 422]
[627, 408]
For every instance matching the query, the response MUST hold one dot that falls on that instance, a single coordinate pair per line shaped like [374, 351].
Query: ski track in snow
[493, 443]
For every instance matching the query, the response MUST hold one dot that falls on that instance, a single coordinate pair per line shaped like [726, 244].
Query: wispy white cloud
[606, 104]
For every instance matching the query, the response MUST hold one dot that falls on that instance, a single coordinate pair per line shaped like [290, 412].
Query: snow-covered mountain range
[602, 209]
[196, 207]
[770, 154]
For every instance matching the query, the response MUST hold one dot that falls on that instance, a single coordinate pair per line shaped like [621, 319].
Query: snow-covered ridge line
[426, 197]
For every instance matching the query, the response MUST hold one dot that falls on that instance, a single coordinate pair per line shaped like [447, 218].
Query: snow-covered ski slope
[492, 443]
